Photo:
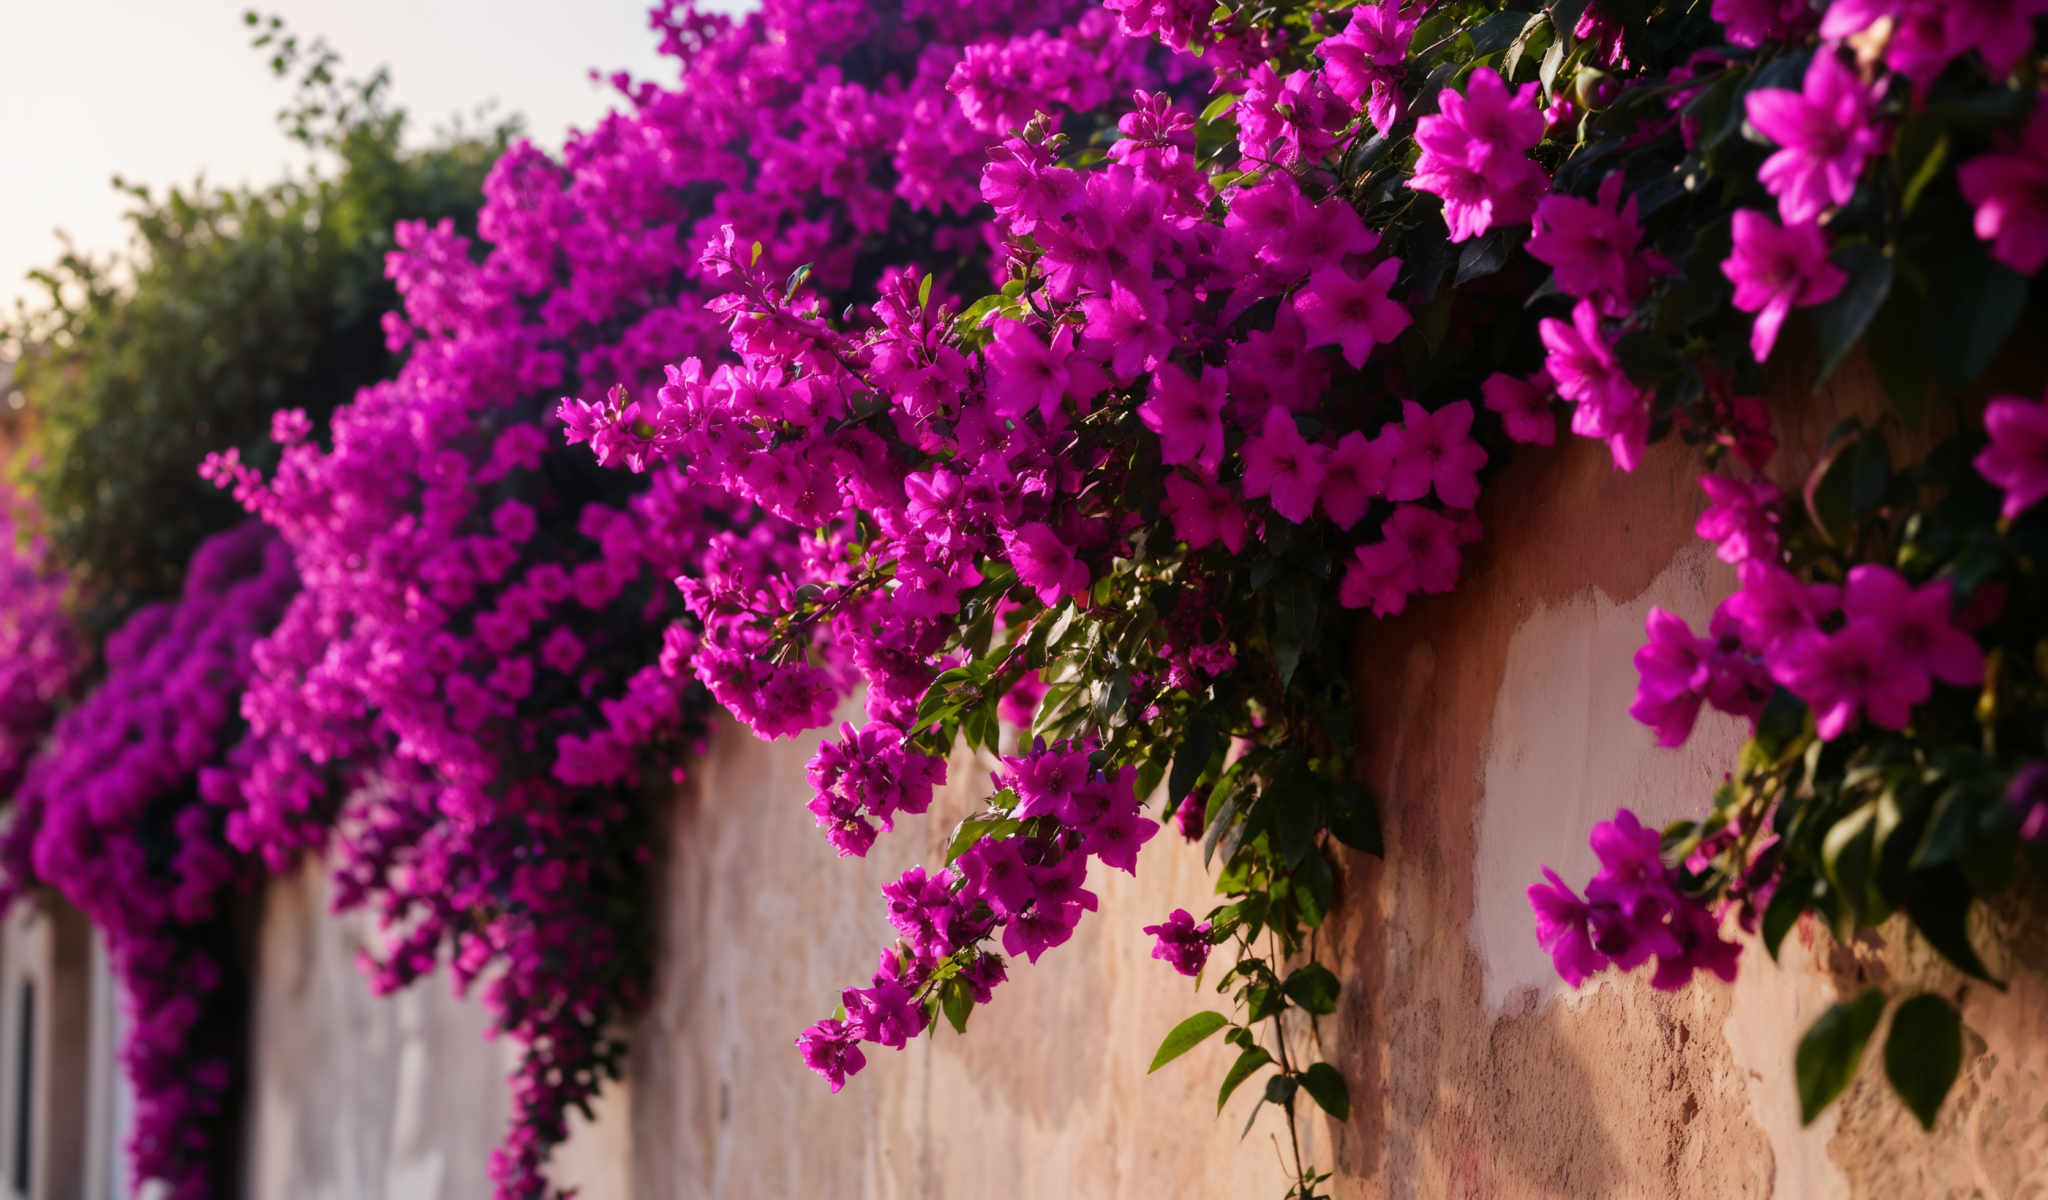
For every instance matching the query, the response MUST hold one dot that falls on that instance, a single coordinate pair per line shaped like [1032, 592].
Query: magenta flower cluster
[41, 657]
[1633, 911]
[110, 816]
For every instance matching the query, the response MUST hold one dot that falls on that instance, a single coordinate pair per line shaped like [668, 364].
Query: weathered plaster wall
[1495, 728]
[1496, 732]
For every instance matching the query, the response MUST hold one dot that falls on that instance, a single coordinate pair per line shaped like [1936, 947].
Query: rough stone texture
[1495, 732]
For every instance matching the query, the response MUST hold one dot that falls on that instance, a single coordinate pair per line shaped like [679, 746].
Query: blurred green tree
[226, 306]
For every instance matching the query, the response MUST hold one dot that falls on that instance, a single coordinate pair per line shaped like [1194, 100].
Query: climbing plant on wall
[1252, 359]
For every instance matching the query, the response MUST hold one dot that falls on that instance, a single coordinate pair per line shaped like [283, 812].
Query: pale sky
[158, 90]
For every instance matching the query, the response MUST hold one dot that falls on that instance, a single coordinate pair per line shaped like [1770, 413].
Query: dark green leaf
[1314, 987]
[1787, 902]
[1840, 323]
[1831, 1050]
[1280, 1090]
[1294, 622]
[1186, 1036]
[1324, 1082]
[1196, 748]
[1973, 304]
[1355, 819]
[1251, 1060]
[1498, 31]
[1939, 904]
[1923, 1052]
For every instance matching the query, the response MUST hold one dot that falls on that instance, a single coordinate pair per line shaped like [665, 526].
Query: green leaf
[1280, 1090]
[1186, 1036]
[1219, 106]
[1923, 1052]
[1251, 1060]
[1355, 819]
[1787, 902]
[924, 291]
[973, 829]
[1939, 904]
[1196, 748]
[1323, 1082]
[1832, 1049]
[1894, 344]
[1294, 622]
[1499, 31]
[1848, 485]
[1314, 987]
[1972, 306]
[1841, 321]
[958, 1002]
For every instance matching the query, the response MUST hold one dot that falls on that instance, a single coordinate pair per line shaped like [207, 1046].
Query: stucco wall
[1495, 730]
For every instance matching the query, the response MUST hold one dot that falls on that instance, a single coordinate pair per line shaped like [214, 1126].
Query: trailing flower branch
[1069, 384]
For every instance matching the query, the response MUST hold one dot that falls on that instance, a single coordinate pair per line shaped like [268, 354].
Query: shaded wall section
[1495, 729]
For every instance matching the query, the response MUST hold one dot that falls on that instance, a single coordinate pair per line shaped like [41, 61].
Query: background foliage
[230, 304]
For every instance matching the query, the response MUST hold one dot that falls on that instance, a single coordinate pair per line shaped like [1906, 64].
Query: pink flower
[2016, 458]
[1594, 246]
[1773, 606]
[1826, 132]
[1125, 328]
[1562, 929]
[1187, 415]
[2000, 30]
[1028, 374]
[1609, 405]
[1365, 62]
[1354, 473]
[1418, 552]
[1916, 623]
[1435, 450]
[1775, 268]
[1181, 942]
[1204, 511]
[1475, 155]
[1847, 674]
[2009, 188]
[1523, 405]
[2027, 796]
[1046, 563]
[1339, 309]
[1753, 22]
[1280, 465]
[1668, 667]
[1743, 518]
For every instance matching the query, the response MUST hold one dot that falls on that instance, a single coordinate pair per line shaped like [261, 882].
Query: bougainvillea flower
[1181, 942]
[1826, 132]
[1742, 518]
[1562, 930]
[1354, 474]
[1280, 465]
[1776, 268]
[2009, 189]
[2016, 458]
[1046, 562]
[1523, 406]
[1339, 309]
[1203, 511]
[1475, 155]
[1187, 414]
[1434, 451]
